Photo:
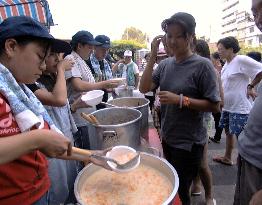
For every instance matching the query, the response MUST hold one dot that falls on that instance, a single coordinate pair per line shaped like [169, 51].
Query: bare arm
[115, 66]
[84, 86]
[167, 97]
[257, 79]
[136, 80]
[49, 142]
[58, 96]
[250, 91]
[221, 92]
[146, 83]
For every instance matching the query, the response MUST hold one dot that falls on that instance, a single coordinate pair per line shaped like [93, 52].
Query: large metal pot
[140, 104]
[155, 162]
[117, 126]
[123, 91]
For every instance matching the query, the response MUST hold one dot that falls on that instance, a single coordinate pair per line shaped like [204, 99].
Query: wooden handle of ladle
[88, 118]
[78, 154]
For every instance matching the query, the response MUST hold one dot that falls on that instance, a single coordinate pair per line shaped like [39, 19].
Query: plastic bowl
[118, 151]
[121, 81]
[93, 97]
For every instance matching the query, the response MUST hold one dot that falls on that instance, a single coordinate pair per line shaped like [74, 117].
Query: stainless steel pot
[140, 104]
[155, 162]
[123, 91]
[117, 126]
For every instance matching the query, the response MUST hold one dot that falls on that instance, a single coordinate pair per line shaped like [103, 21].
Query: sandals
[214, 140]
[223, 161]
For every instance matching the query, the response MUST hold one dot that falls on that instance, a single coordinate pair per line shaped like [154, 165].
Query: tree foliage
[245, 49]
[118, 47]
[135, 34]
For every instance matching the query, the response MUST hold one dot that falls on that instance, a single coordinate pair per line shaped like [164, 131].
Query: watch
[250, 86]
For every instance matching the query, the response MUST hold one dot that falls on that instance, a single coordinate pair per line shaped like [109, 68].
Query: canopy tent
[37, 9]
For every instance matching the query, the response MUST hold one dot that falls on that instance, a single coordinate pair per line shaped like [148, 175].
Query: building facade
[237, 21]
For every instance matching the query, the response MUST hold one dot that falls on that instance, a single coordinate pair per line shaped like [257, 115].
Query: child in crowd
[51, 90]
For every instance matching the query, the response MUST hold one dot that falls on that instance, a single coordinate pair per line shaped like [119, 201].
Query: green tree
[135, 34]
[118, 47]
[245, 49]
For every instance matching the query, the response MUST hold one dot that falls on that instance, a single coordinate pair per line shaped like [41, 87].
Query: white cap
[128, 53]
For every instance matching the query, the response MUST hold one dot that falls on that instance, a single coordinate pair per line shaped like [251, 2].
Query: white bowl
[121, 81]
[93, 97]
[118, 151]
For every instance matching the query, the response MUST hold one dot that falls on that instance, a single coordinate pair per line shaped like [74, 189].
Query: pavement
[224, 177]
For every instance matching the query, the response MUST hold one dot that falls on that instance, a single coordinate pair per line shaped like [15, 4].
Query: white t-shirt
[235, 77]
[79, 70]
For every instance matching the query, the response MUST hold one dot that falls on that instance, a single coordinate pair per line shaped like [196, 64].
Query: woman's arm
[58, 96]
[146, 83]
[51, 143]
[115, 66]
[167, 97]
[84, 86]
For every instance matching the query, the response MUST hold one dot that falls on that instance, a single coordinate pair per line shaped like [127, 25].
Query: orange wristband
[186, 102]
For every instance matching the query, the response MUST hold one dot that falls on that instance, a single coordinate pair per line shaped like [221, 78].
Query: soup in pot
[142, 186]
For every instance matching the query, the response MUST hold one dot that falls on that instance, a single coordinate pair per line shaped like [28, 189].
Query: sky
[111, 17]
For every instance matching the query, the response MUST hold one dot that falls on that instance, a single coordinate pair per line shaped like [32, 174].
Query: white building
[237, 21]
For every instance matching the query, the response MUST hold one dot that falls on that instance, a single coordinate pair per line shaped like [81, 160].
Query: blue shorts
[233, 122]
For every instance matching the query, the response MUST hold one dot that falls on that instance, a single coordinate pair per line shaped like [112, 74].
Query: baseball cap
[84, 37]
[26, 26]
[184, 19]
[128, 53]
[103, 40]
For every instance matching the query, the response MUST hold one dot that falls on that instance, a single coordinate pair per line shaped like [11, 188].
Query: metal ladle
[100, 158]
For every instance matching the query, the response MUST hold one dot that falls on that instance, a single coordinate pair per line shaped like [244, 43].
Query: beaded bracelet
[186, 102]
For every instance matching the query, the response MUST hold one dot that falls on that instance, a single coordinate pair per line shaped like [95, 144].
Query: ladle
[85, 155]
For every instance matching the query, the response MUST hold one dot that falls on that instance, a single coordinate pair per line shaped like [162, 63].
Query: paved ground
[224, 177]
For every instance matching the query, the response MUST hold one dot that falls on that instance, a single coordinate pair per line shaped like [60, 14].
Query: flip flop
[221, 160]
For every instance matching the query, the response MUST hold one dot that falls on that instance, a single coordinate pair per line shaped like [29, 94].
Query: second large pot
[117, 126]
[140, 104]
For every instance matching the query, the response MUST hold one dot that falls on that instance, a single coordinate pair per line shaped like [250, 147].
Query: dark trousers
[219, 130]
[151, 100]
[81, 140]
[186, 164]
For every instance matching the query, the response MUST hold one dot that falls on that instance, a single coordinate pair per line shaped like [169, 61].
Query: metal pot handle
[110, 138]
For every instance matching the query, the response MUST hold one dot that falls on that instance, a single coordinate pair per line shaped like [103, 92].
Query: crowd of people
[42, 80]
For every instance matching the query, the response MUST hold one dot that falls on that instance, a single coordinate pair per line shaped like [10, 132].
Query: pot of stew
[153, 182]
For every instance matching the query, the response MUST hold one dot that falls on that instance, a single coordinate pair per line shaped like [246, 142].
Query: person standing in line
[218, 64]
[24, 46]
[99, 66]
[249, 174]
[188, 88]
[236, 75]
[128, 68]
[80, 80]
[202, 49]
[50, 89]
